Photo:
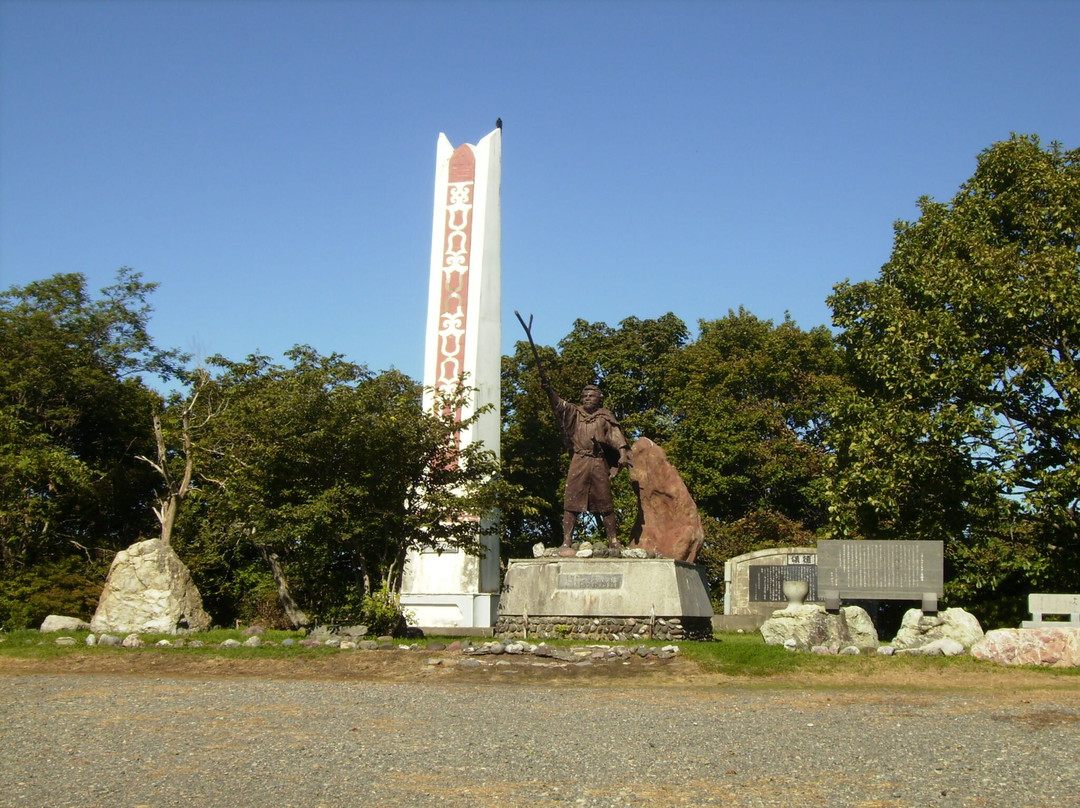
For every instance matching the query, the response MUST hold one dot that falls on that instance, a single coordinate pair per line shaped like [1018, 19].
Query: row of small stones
[932, 649]
[614, 629]
[587, 549]
[588, 653]
[585, 655]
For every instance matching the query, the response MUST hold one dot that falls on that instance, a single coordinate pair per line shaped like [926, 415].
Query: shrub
[381, 612]
[68, 586]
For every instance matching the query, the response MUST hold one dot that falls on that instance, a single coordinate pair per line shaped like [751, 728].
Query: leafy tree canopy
[73, 415]
[965, 353]
[335, 472]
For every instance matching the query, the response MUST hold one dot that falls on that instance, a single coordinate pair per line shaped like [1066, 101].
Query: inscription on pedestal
[585, 580]
[767, 581]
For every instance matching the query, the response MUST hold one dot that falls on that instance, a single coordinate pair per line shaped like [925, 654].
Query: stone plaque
[586, 580]
[873, 570]
[767, 581]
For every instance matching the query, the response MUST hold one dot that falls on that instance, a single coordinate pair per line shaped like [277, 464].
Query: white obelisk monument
[464, 335]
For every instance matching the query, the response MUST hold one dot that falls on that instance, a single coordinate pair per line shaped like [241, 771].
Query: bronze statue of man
[599, 449]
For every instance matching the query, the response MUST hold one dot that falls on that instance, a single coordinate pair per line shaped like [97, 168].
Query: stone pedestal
[604, 599]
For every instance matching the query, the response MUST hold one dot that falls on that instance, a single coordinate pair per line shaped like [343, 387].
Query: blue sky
[271, 164]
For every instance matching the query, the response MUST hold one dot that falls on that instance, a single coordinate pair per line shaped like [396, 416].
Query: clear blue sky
[271, 164]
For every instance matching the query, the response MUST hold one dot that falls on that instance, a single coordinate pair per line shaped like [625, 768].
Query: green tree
[329, 473]
[73, 415]
[965, 353]
[748, 401]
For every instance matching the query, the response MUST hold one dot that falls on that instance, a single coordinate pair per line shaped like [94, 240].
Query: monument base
[431, 612]
[604, 599]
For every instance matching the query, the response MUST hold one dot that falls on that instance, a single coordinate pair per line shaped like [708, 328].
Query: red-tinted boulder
[668, 522]
[1050, 647]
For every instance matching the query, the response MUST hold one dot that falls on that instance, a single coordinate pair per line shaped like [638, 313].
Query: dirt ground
[364, 728]
[408, 666]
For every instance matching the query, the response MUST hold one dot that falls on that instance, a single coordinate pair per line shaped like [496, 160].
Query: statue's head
[591, 398]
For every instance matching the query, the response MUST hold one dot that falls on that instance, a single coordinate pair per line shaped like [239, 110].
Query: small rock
[91, 640]
[946, 646]
[821, 649]
[850, 650]
[132, 641]
[65, 641]
[57, 622]
[886, 650]
[918, 629]
[254, 641]
[586, 553]
[288, 641]
[163, 643]
[433, 661]
[436, 646]
[252, 631]
[348, 645]
[538, 549]
[230, 643]
[196, 644]
[368, 645]
[385, 638]
[469, 663]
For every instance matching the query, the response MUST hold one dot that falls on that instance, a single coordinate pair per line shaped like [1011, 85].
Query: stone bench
[1040, 605]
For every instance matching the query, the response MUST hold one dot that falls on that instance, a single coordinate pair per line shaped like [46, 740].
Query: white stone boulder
[149, 590]
[1046, 647]
[57, 622]
[945, 646]
[808, 625]
[918, 629]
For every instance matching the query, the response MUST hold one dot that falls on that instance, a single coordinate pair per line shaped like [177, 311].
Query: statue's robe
[595, 441]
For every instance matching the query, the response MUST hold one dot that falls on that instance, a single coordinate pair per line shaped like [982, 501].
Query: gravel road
[113, 741]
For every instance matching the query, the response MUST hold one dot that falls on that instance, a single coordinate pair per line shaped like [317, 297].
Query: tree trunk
[167, 516]
[292, 611]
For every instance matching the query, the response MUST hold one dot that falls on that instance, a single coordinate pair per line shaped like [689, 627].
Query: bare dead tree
[176, 488]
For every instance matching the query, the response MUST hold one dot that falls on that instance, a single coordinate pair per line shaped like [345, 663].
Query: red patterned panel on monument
[457, 243]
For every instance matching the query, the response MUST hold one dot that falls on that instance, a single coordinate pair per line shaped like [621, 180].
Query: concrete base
[746, 623]
[604, 587]
[450, 611]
